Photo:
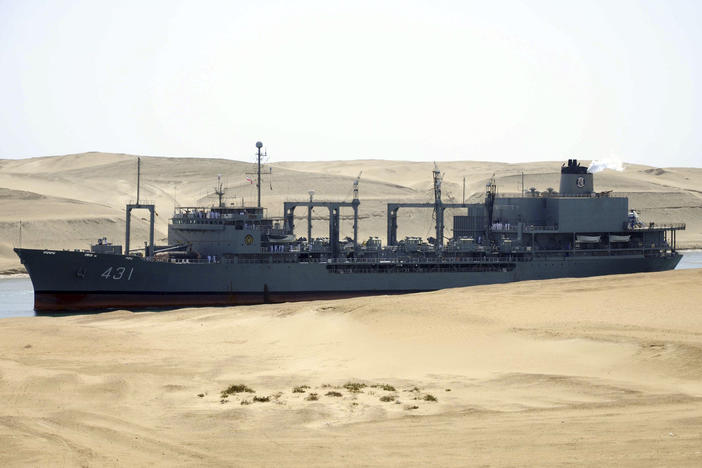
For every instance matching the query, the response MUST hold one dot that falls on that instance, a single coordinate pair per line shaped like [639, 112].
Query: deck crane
[355, 186]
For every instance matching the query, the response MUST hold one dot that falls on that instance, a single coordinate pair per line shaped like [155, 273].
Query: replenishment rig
[230, 255]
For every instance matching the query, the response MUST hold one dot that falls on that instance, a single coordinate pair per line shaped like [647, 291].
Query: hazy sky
[322, 80]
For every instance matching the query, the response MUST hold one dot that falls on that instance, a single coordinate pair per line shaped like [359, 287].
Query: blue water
[17, 298]
[691, 259]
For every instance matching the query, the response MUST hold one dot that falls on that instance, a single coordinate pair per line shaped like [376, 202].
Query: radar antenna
[259, 157]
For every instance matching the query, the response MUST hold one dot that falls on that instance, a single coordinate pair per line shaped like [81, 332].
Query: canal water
[16, 294]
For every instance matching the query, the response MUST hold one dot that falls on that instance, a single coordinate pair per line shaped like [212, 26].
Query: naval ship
[230, 255]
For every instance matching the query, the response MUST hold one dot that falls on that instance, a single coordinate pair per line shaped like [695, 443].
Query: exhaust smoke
[599, 165]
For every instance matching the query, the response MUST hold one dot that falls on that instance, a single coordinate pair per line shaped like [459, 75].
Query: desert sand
[69, 201]
[599, 371]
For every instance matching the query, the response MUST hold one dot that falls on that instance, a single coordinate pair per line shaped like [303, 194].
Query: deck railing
[658, 227]
[488, 258]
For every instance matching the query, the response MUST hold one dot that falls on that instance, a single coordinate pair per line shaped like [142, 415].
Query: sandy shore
[597, 371]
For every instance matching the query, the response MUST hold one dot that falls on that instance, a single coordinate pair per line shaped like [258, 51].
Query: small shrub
[261, 399]
[448, 389]
[429, 397]
[388, 388]
[312, 397]
[236, 389]
[334, 394]
[413, 389]
[411, 407]
[354, 387]
[245, 402]
[387, 398]
[201, 395]
[300, 389]
[223, 400]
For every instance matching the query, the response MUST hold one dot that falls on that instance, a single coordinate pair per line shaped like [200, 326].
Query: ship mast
[438, 208]
[355, 203]
[219, 190]
[490, 194]
[259, 145]
[138, 205]
[138, 177]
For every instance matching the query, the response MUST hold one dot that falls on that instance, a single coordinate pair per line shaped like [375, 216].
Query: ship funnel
[575, 180]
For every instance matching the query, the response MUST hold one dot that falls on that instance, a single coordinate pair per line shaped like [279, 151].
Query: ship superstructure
[226, 254]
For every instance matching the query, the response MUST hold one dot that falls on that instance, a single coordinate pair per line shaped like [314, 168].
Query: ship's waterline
[17, 294]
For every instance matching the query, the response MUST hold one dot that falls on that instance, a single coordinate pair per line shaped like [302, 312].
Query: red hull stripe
[86, 301]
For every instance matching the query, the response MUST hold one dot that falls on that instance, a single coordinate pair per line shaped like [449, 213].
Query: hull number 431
[118, 273]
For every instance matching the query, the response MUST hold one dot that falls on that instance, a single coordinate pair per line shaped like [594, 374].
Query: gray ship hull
[68, 281]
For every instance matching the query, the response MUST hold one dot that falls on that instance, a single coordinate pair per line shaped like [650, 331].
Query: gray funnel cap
[575, 180]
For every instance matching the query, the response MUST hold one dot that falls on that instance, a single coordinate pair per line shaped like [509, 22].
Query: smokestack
[575, 179]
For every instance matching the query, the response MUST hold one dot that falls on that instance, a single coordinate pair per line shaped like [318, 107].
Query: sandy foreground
[598, 371]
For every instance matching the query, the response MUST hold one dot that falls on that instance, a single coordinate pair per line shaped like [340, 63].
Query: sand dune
[49, 191]
[588, 371]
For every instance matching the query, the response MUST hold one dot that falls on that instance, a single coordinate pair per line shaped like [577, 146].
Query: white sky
[322, 80]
